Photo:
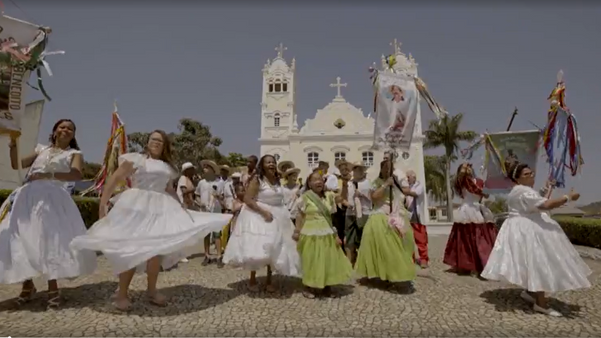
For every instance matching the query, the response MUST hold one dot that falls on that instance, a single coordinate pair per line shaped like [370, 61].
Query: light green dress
[383, 253]
[322, 259]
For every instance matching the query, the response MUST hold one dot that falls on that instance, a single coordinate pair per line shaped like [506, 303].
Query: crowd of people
[336, 223]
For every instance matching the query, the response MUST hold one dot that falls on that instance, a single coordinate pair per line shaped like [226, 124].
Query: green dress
[383, 253]
[322, 259]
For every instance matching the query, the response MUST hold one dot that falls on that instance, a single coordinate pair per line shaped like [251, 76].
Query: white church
[338, 131]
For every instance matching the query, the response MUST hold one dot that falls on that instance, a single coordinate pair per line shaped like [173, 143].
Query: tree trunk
[449, 191]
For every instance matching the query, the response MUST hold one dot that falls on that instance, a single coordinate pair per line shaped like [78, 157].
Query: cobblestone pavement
[206, 301]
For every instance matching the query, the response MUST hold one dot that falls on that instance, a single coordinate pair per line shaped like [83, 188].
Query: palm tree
[435, 177]
[445, 133]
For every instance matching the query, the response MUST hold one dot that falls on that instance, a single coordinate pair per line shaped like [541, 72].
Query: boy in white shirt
[210, 199]
[358, 188]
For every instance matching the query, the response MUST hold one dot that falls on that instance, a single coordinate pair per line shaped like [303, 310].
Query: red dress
[472, 238]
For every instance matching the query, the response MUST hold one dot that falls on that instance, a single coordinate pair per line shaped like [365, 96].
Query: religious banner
[503, 149]
[396, 102]
[21, 48]
[30, 128]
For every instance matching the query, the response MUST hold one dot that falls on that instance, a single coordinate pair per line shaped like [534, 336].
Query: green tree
[446, 133]
[235, 160]
[498, 206]
[435, 177]
[193, 143]
[90, 170]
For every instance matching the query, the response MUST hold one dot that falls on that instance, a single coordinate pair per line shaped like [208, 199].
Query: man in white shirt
[356, 216]
[415, 202]
[210, 199]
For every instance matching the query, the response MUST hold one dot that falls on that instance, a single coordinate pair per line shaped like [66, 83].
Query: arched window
[285, 86]
[278, 86]
[368, 158]
[276, 120]
[277, 157]
[339, 155]
[271, 87]
[312, 159]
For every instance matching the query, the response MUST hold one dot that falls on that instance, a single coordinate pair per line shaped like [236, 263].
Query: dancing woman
[263, 233]
[532, 250]
[387, 244]
[323, 261]
[42, 219]
[148, 226]
[472, 237]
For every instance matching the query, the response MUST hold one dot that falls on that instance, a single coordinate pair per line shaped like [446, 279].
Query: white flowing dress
[532, 250]
[255, 243]
[146, 221]
[43, 219]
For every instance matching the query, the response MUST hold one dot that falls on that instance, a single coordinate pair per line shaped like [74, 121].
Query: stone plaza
[206, 301]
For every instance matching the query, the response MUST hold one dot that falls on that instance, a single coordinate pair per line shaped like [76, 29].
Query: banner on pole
[504, 148]
[396, 104]
[21, 44]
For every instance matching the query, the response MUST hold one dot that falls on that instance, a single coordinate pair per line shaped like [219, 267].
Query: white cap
[187, 165]
[236, 175]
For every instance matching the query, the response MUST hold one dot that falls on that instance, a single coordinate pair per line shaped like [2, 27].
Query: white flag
[396, 111]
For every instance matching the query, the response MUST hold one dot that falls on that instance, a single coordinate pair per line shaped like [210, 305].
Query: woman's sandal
[328, 293]
[157, 300]
[54, 300]
[25, 296]
[308, 294]
[123, 305]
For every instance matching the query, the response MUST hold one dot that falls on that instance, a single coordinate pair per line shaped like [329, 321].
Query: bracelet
[567, 198]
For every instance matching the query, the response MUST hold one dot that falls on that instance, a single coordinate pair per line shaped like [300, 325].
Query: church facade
[338, 131]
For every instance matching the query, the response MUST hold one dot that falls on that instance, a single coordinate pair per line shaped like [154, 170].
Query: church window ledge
[340, 148]
[313, 149]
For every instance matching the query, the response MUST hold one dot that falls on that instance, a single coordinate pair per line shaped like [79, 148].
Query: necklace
[52, 153]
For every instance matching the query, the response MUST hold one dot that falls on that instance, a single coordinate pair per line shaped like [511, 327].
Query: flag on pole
[116, 146]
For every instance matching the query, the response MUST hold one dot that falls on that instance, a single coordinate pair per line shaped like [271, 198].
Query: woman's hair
[382, 164]
[261, 171]
[307, 187]
[166, 154]
[52, 139]
[459, 179]
[515, 170]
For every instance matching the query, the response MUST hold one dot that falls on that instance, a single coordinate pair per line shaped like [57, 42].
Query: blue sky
[166, 60]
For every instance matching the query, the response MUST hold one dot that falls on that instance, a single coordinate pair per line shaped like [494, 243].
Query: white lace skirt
[144, 224]
[537, 256]
[35, 236]
[254, 244]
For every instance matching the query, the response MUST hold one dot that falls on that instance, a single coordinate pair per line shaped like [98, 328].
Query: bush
[88, 206]
[581, 231]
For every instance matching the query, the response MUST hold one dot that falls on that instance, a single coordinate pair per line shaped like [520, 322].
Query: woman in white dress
[263, 233]
[147, 227]
[42, 219]
[532, 250]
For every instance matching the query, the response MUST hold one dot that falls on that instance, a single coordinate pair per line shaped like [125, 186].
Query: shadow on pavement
[509, 300]
[98, 297]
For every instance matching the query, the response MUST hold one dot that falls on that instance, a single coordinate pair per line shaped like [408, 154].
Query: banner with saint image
[503, 149]
[21, 46]
[396, 102]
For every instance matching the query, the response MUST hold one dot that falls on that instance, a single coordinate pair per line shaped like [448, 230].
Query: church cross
[396, 45]
[280, 49]
[338, 85]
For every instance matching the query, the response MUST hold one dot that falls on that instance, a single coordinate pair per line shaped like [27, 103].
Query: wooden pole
[515, 113]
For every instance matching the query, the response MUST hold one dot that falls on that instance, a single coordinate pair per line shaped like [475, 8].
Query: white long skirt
[254, 244]
[35, 235]
[536, 255]
[143, 224]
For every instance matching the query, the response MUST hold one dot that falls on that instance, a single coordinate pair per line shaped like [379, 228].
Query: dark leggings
[339, 219]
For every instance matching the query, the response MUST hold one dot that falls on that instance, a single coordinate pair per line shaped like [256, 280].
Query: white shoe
[184, 260]
[549, 311]
[527, 297]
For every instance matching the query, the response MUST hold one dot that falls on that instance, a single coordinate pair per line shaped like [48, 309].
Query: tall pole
[515, 113]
